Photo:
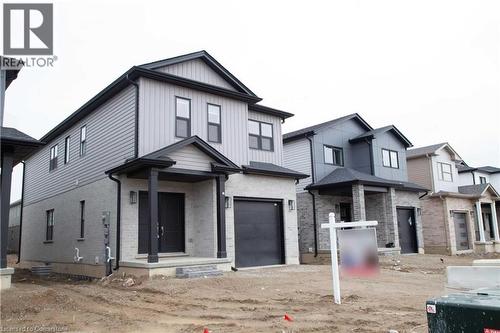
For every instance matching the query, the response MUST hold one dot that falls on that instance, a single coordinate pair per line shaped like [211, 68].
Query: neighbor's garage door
[258, 228]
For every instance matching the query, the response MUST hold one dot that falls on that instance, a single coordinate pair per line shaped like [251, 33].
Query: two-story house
[360, 174]
[173, 164]
[468, 175]
[457, 217]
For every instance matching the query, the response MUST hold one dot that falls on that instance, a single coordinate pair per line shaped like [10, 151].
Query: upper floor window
[390, 158]
[444, 172]
[333, 155]
[182, 117]
[49, 231]
[53, 158]
[66, 150]
[482, 180]
[83, 140]
[260, 135]
[214, 127]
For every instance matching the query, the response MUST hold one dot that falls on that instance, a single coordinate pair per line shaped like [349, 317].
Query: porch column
[221, 216]
[7, 162]
[480, 224]
[153, 215]
[392, 217]
[495, 221]
[358, 202]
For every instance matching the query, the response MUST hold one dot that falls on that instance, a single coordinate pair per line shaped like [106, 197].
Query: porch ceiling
[175, 175]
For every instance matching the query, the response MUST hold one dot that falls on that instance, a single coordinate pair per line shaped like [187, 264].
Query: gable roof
[373, 133]
[136, 72]
[478, 189]
[311, 129]
[210, 61]
[344, 176]
[160, 158]
[430, 150]
[198, 143]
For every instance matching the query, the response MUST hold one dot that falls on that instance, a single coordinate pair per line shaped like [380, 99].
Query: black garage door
[258, 232]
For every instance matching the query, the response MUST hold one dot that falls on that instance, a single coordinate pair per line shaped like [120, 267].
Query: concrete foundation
[5, 277]
[472, 277]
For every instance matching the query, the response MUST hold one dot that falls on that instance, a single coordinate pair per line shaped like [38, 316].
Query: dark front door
[407, 230]
[170, 222]
[345, 212]
[461, 231]
[258, 233]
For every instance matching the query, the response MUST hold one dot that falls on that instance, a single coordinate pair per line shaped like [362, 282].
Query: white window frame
[67, 143]
[218, 125]
[53, 157]
[390, 162]
[83, 140]
[334, 161]
[441, 172]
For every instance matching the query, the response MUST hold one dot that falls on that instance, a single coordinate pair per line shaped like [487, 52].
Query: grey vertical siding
[360, 158]
[196, 70]
[297, 156]
[110, 141]
[387, 140]
[157, 122]
[276, 156]
[338, 136]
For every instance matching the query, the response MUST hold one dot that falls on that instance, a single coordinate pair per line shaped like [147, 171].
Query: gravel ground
[245, 301]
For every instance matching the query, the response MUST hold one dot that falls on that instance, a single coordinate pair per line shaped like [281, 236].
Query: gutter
[118, 218]
[21, 214]
[423, 195]
[315, 224]
[136, 134]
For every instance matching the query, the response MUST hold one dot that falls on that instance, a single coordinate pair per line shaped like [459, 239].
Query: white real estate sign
[333, 226]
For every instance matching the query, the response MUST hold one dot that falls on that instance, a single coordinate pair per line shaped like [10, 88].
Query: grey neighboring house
[359, 173]
[14, 227]
[174, 164]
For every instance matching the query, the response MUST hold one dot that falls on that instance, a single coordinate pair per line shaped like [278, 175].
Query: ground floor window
[49, 234]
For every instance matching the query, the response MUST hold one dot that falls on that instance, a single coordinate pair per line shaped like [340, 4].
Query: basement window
[49, 232]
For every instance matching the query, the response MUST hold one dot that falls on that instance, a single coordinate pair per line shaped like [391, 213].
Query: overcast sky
[432, 68]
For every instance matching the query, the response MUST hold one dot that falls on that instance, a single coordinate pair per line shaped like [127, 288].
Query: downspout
[315, 225]
[136, 125]
[423, 195]
[473, 178]
[21, 215]
[118, 218]
[372, 167]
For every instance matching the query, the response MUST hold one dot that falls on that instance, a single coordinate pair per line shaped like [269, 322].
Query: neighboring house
[456, 218]
[360, 174]
[14, 222]
[173, 164]
[480, 175]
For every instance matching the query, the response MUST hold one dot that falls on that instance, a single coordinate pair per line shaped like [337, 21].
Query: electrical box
[474, 311]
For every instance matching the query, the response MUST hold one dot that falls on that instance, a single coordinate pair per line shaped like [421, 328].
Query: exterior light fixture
[227, 202]
[133, 197]
[291, 205]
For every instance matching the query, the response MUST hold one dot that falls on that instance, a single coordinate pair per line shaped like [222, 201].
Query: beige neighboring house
[456, 219]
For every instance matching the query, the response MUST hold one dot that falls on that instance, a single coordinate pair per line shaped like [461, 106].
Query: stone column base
[5, 275]
[496, 245]
[484, 247]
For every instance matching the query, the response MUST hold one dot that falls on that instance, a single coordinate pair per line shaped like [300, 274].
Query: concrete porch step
[197, 271]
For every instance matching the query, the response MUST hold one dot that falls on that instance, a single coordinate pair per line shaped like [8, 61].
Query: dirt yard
[244, 301]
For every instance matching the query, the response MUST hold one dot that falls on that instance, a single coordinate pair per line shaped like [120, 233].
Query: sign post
[333, 226]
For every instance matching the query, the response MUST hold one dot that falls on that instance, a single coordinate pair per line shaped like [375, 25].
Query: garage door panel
[258, 233]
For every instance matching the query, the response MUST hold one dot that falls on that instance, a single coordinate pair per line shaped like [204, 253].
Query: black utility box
[477, 311]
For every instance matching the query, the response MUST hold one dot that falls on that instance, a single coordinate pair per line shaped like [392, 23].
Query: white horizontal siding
[197, 70]
[110, 141]
[297, 156]
[192, 158]
[276, 156]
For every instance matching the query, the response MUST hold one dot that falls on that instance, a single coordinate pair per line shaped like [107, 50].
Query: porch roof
[269, 169]
[478, 189]
[347, 176]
